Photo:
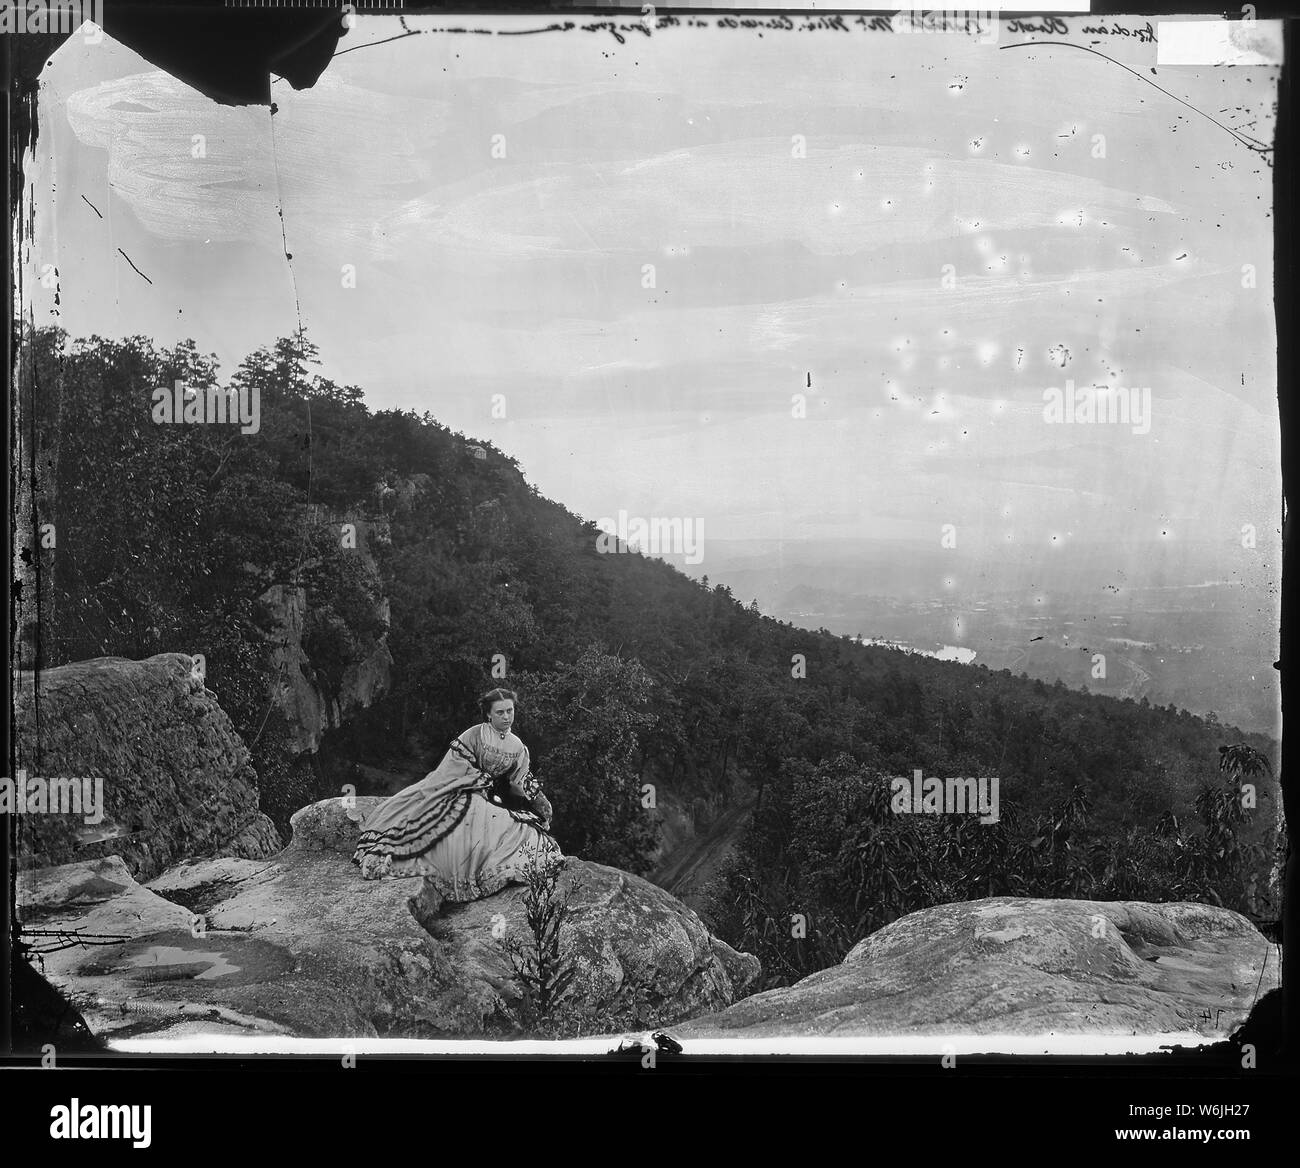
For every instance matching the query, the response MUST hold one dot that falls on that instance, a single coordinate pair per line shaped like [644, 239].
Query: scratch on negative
[1244, 139]
[132, 263]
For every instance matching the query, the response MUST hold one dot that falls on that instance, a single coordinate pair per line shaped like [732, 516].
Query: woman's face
[502, 715]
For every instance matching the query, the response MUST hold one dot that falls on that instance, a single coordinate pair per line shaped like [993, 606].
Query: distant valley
[1206, 646]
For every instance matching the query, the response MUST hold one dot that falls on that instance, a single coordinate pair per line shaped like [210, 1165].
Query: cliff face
[310, 706]
[176, 778]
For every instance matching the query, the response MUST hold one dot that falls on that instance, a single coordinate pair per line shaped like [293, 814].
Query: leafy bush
[827, 862]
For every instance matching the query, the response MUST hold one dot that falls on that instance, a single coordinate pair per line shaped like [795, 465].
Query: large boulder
[176, 777]
[302, 945]
[1015, 966]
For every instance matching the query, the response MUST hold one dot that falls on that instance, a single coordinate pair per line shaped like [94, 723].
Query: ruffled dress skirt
[464, 844]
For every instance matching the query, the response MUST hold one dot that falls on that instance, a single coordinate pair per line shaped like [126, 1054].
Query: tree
[584, 719]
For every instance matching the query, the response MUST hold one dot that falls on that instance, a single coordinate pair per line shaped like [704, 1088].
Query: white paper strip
[1219, 42]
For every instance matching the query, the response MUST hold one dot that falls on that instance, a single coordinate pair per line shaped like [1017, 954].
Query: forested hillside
[635, 680]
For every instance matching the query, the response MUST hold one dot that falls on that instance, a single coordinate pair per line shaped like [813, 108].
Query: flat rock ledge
[300, 945]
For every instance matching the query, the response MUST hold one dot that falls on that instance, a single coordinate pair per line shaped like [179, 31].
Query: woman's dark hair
[492, 696]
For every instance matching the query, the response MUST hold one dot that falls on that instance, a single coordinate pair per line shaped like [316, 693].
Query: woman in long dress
[477, 823]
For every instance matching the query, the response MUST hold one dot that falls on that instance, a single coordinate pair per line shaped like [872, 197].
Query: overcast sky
[524, 275]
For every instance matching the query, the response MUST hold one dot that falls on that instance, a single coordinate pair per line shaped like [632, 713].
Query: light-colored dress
[475, 824]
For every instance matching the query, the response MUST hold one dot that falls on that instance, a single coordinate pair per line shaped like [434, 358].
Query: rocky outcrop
[302, 945]
[310, 706]
[1011, 966]
[176, 777]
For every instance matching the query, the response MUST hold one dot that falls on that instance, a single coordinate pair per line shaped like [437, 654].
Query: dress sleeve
[526, 784]
[467, 747]
[461, 760]
[523, 781]
[472, 739]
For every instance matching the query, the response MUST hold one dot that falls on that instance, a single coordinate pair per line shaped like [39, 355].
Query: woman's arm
[527, 786]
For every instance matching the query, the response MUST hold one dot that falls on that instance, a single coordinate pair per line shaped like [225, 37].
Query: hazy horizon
[917, 234]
